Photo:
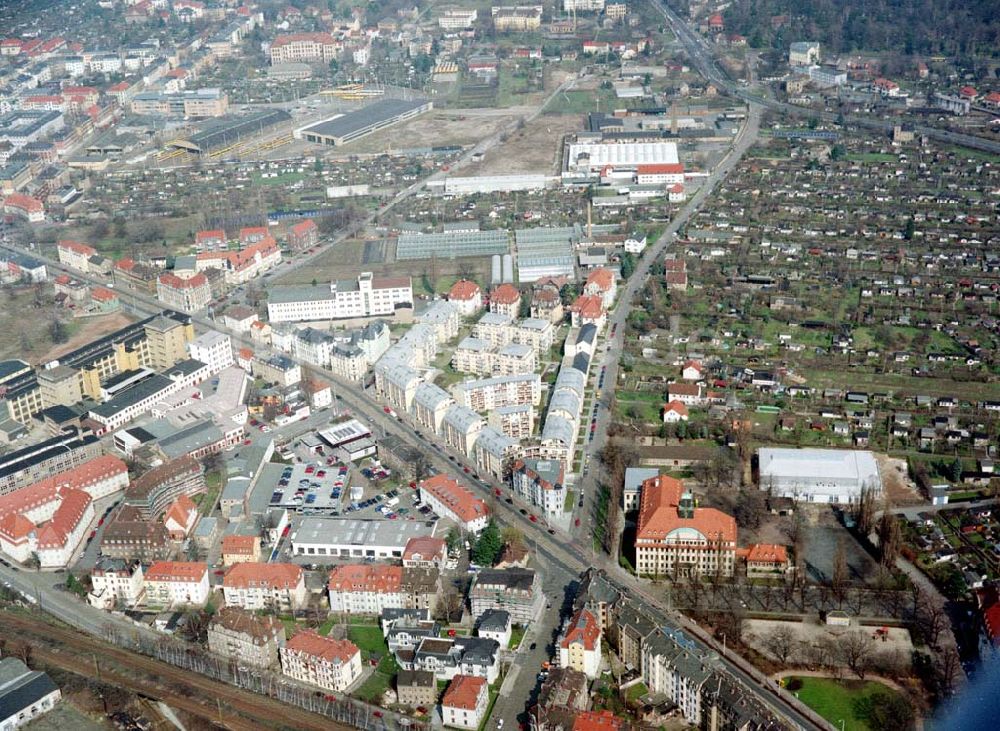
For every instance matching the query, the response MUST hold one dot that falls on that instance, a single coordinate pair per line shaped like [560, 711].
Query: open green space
[516, 635]
[842, 700]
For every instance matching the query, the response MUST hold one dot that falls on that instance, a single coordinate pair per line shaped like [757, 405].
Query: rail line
[248, 711]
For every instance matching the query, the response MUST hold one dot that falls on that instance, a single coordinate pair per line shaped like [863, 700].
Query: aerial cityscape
[594, 365]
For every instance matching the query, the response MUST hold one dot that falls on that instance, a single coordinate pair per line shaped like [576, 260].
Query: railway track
[222, 704]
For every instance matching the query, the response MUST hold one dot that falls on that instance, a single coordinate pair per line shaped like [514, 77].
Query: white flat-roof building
[593, 157]
[818, 475]
[369, 296]
[356, 537]
[215, 349]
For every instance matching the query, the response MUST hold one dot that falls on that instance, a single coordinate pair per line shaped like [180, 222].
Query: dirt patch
[536, 148]
[90, 329]
[896, 481]
[885, 641]
[439, 127]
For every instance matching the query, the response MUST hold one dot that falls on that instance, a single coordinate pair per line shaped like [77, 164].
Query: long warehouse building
[354, 125]
[229, 130]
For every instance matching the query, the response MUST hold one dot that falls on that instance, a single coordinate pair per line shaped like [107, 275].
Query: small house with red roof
[766, 561]
[588, 310]
[180, 518]
[693, 371]
[211, 240]
[675, 411]
[103, 299]
[968, 92]
[715, 23]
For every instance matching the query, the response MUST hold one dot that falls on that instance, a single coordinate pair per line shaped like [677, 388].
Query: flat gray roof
[360, 532]
[365, 117]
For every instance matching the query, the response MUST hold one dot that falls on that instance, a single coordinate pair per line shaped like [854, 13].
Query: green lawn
[516, 635]
[369, 639]
[835, 700]
[636, 692]
[570, 501]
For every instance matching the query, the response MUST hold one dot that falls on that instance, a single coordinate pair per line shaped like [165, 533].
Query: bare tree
[864, 511]
[856, 652]
[890, 538]
[946, 670]
[780, 642]
[931, 618]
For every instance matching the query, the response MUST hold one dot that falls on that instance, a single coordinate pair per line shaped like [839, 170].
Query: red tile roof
[304, 227]
[65, 520]
[658, 514]
[459, 499]
[174, 282]
[180, 510]
[601, 278]
[24, 202]
[675, 265]
[666, 168]
[464, 692]
[366, 578]
[239, 545]
[424, 548]
[81, 478]
[678, 406]
[103, 294]
[253, 575]
[179, 571]
[335, 651]
[588, 306]
[464, 290]
[597, 721]
[321, 38]
[505, 294]
[76, 247]
[584, 629]
[767, 553]
[210, 235]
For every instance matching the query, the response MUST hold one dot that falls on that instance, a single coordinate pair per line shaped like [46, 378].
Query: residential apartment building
[495, 452]
[453, 501]
[541, 482]
[460, 428]
[466, 295]
[515, 590]
[240, 549]
[675, 538]
[328, 663]
[153, 491]
[303, 235]
[257, 256]
[430, 404]
[601, 283]
[186, 295]
[506, 300]
[75, 255]
[304, 47]
[416, 688]
[488, 394]
[516, 422]
[368, 296]
[115, 582]
[370, 588]
[580, 644]
[246, 638]
[516, 19]
[457, 18]
[130, 536]
[172, 583]
[465, 702]
[273, 586]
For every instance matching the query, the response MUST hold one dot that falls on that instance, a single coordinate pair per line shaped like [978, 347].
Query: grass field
[369, 640]
[835, 700]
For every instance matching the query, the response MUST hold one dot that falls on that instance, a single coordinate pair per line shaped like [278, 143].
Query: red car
[220, 572]
[331, 698]
[532, 518]
[413, 484]
[246, 442]
[577, 523]
[496, 491]
[310, 469]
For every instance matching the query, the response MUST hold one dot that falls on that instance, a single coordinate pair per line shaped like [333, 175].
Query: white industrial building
[356, 537]
[594, 157]
[818, 475]
[495, 184]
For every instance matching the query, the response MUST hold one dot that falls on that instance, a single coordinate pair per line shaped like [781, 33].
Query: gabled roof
[252, 575]
[325, 648]
[584, 629]
[464, 290]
